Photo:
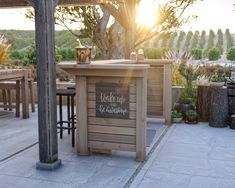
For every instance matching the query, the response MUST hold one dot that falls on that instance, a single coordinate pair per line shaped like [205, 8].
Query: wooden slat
[92, 105]
[155, 104]
[111, 130]
[93, 80]
[92, 113]
[115, 146]
[122, 139]
[141, 112]
[155, 110]
[81, 97]
[24, 3]
[92, 97]
[167, 90]
[132, 88]
[111, 122]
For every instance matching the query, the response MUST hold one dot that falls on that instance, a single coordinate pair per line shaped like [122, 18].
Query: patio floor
[186, 156]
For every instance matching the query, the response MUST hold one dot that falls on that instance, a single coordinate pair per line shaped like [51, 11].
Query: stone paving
[187, 156]
[191, 156]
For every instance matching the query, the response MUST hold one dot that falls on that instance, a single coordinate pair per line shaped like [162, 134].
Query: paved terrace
[187, 156]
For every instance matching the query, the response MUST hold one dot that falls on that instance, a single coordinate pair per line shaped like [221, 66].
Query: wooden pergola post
[46, 83]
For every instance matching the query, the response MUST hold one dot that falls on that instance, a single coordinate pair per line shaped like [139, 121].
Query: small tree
[231, 54]
[4, 46]
[213, 54]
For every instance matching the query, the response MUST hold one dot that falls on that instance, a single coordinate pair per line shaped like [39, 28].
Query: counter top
[105, 64]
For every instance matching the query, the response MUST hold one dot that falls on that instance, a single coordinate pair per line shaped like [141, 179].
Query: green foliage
[231, 54]
[211, 40]
[213, 54]
[220, 40]
[176, 114]
[67, 53]
[165, 38]
[190, 73]
[180, 39]
[191, 114]
[196, 53]
[30, 56]
[229, 39]
[154, 53]
[188, 39]
[202, 40]
[22, 39]
[195, 40]
[172, 39]
[17, 54]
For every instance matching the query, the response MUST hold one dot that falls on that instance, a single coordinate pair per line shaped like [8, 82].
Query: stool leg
[17, 98]
[61, 116]
[4, 98]
[73, 128]
[68, 113]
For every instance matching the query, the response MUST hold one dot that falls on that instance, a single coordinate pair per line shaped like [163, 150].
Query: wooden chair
[7, 88]
[6, 96]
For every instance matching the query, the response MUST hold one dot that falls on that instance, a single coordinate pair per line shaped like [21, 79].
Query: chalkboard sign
[112, 100]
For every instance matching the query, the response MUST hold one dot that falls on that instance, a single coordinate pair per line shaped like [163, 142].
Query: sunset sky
[212, 14]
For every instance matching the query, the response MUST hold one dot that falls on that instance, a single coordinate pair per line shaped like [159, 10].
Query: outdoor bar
[111, 98]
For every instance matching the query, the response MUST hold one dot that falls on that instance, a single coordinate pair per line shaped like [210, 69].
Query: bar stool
[70, 94]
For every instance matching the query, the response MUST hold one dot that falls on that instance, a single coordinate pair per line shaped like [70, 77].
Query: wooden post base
[48, 166]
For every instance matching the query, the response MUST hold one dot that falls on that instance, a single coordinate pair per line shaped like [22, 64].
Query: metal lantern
[231, 91]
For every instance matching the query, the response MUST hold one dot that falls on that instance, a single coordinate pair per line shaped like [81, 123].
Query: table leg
[25, 95]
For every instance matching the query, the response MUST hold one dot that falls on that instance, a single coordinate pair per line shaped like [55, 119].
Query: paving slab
[20, 154]
[191, 156]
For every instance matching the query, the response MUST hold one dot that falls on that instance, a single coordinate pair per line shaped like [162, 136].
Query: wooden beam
[46, 83]
[24, 3]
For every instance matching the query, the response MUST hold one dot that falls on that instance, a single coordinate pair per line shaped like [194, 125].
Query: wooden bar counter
[111, 98]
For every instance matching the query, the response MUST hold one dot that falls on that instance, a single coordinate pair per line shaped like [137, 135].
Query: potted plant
[184, 104]
[218, 79]
[191, 117]
[176, 116]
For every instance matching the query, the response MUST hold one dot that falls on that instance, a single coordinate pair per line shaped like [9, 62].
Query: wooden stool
[70, 94]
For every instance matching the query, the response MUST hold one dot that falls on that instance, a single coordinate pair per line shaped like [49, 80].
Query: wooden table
[18, 75]
[111, 106]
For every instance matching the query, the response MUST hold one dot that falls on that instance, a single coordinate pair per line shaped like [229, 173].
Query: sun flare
[146, 14]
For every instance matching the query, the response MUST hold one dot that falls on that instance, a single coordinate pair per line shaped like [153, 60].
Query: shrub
[213, 54]
[30, 56]
[196, 53]
[231, 54]
[4, 46]
[67, 53]
[153, 53]
[16, 54]
[176, 114]
[191, 114]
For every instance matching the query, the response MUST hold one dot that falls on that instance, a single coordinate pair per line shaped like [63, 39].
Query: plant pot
[191, 120]
[177, 120]
[183, 108]
[83, 55]
[217, 84]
